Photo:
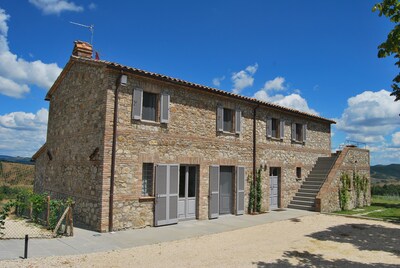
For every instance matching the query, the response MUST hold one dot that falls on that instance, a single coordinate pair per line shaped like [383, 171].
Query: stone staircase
[305, 197]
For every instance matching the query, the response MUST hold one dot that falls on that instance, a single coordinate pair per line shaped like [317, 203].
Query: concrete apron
[85, 241]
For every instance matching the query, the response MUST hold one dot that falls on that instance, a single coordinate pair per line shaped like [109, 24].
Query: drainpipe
[113, 152]
[254, 156]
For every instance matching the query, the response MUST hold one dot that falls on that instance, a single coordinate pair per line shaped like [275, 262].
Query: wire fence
[23, 212]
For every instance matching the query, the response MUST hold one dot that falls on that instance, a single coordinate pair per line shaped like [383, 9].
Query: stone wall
[72, 163]
[190, 137]
[80, 135]
[351, 160]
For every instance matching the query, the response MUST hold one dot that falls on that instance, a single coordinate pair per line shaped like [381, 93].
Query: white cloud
[370, 116]
[275, 84]
[55, 6]
[16, 74]
[396, 138]
[243, 78]
[23, 133]
[217, 81]
[294, 100]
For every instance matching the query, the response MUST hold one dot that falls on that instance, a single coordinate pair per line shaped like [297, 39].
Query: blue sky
[316, 56]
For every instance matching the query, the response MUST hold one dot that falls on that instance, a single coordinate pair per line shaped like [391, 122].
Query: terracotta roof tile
[210, 89]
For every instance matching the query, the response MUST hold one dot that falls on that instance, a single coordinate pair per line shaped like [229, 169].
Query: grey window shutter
[173, 193]
[238, 121]
[304, 132]
[220, 118]
[166, 194]
[164, 117]
[137, 103]
[282, 129]
[269, 127]
[213, 201]
[293, 131]
[240, 180]
[161, 195]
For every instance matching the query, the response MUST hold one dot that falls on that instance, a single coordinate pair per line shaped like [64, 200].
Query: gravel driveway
[311, 241]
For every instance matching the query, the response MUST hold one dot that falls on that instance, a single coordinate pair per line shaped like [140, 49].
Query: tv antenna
[90, 27]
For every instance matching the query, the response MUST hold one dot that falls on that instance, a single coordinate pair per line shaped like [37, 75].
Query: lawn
[383, 207]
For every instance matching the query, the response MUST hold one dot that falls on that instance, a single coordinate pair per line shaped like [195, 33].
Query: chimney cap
[82, 49]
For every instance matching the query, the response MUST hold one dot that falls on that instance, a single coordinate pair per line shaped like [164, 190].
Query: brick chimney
[82, 49]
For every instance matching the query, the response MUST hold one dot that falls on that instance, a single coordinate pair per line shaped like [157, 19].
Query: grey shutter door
[238, 121]
[173, 193]
[293, 131]
[160, 210]
[213, 200]
[240, 174]
[137, 103]
[269, 127]
[220, 118]
[164, 117]
[304, 132]
[282, 129]
[166, 203]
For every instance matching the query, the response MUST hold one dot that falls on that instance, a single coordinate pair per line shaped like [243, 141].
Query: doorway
[187, 192]
[274, 187]
[225, 190]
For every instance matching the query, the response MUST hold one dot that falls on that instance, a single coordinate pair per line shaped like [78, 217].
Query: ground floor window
[147, 179]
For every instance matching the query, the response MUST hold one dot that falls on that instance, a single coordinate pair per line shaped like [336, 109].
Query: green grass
[382, 207]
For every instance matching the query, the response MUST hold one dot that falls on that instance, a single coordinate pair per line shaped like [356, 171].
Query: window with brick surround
[147, 179]
[229, 120]
[148, 106]
[299, 132]
[275, 128]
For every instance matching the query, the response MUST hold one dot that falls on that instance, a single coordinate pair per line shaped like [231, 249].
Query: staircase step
[309, 195]
[309, 191]
[312, 183]
[303, 199]
[303, 203]
[310, 187]
[309, 208]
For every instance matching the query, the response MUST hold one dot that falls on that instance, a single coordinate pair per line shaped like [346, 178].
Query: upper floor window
[229, 120]
[299, 132]
[149, 111]
[275, 128]
[150, 106]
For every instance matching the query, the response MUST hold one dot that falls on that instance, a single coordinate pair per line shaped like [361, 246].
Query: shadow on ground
[306, 259]
[362, 236]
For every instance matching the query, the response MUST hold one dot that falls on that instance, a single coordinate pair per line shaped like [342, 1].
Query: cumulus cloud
[293, 100]
[217, 81]
[370, 116]
[23, 133]
[396, 138]
[275, 84]
[56, 6]
[243, 78]
[17, 74]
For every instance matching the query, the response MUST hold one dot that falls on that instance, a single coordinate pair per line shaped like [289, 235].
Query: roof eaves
[118, 66]
[39, 152]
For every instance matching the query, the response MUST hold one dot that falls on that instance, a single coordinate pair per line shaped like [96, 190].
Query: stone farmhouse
[135, 148]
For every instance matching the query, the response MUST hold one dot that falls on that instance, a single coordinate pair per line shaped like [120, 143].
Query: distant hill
[385, 173]
[16, 173]
[16, 159]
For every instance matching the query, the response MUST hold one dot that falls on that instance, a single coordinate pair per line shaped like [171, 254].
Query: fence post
[30, 210]
[48, 211]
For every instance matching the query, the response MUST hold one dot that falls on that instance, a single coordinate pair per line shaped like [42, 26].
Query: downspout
[254, 156]
[113, 152]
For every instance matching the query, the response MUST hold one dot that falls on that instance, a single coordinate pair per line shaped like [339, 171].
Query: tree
[391, 10]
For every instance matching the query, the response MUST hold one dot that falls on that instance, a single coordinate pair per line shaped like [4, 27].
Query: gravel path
[310, 241]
